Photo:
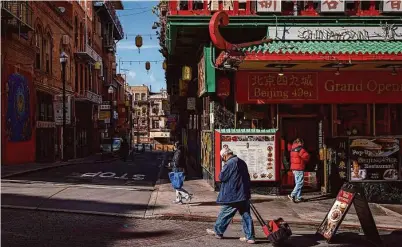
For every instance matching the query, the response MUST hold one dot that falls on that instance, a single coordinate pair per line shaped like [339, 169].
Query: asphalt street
[38, 228]
[116, 188]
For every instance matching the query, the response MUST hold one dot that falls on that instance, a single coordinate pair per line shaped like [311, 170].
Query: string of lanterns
[147, 63]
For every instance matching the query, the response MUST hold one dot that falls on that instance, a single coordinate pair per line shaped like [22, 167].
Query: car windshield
[107, 141]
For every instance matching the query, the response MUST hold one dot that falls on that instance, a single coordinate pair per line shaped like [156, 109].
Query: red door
[307, 129]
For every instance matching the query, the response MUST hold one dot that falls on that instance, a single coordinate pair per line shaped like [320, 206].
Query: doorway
[306, 128]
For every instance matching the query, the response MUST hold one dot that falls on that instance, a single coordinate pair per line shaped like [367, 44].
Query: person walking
[124, 149]
[298, 159]
[234, 195]
[178, 166]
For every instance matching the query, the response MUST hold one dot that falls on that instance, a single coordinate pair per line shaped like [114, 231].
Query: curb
[184, 217]
[149, 212]
[55, 166]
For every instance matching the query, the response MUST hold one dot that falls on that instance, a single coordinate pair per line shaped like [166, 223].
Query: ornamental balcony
[107, 10]
[87, 53]
[17, 16]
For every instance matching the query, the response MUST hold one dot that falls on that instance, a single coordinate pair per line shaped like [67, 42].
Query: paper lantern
[164, 65]
[186, 73]
[147, 66]
[138, 42]
[97, 65]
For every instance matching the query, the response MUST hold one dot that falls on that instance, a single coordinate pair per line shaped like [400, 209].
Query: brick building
[34, 34]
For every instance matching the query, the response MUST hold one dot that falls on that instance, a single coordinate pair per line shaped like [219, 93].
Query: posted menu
[374, 159]
[258, 151]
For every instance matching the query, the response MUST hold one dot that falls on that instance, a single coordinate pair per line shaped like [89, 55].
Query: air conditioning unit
[66, 39]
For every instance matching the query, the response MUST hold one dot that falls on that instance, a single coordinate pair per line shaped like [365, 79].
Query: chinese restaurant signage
[223, 87]
[380, 32]
[201, 76]
[331, 6]
[318, 87]
[392, 6]
[269, 6]
[374, 159]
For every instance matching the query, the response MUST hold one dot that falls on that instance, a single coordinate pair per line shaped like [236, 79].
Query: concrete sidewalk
[312, 212]
[12, 170]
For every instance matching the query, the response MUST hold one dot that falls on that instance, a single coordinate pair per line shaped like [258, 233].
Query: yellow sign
[104, 115]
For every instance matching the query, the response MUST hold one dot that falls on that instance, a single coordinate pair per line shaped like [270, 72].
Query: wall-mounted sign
[159, 134]
[380, 32]
[191, 105]
[105, 106]
[374, 159]
[201, 76]
[223, 90]
[269, 6]
[392, 6]
[294, 87]
[103, 115]
[332, 6]
[45, 125]
[183, 87]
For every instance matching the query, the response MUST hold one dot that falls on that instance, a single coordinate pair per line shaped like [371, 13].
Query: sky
[137, 18]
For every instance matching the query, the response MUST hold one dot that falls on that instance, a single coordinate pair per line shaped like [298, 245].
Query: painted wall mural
[18, 123]
[207, 150]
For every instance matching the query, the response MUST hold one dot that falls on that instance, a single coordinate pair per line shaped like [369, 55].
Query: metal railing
[21, 12]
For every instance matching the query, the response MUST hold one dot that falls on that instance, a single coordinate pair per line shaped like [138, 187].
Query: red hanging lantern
[147, 66]
[223, 89]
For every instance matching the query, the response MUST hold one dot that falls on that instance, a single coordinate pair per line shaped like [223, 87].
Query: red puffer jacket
[298, 158]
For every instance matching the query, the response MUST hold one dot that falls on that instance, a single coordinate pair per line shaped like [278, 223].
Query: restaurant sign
[318, 87]
[374, 159]
[380, 32]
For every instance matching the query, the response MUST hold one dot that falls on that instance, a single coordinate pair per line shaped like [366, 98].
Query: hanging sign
[347, 195]
[201, 76]
[223, 87]
[269, 6]
[332, 6]
[191, 104]
[392, 6]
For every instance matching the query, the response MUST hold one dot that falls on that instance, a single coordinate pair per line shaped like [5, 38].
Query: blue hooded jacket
[235, 182]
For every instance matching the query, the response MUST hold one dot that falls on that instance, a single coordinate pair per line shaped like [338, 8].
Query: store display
[258, 151]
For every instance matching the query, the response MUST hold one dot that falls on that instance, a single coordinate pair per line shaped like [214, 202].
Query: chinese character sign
[332, 5]
[269, 6]
[392, 6]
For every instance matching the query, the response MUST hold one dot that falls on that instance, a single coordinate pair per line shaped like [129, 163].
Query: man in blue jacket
[234, 195]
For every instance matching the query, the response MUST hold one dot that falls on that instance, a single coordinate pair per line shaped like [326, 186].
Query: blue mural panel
[18, 126]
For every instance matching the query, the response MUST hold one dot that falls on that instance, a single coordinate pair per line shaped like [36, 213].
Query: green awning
[327, 47]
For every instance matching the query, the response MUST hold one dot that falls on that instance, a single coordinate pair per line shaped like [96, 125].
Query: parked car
[105, 145]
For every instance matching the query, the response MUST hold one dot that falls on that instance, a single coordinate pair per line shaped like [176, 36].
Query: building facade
[301, 68]
[141, 113]
[34, 35]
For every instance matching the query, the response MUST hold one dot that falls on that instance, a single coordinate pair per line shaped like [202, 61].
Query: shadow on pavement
[108, 204]
[213, 203]
[320, 198]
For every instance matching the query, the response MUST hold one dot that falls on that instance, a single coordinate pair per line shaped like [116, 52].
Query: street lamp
[110, 92]
[63, 61]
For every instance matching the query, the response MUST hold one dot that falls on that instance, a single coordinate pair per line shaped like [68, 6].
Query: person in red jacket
[298, 159]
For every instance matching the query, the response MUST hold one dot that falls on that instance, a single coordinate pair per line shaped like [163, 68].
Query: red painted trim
[278, 158]
[220, 18]
[321, 57]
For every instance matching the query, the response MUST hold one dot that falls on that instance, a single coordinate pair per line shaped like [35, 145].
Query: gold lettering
[294, 81]
[282, 80]
[270, 94]
[253, 80]
[372, 85]
[257, 92]
[307, 81]
[329, 85]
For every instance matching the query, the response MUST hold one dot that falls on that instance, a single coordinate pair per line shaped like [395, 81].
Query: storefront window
[382, 117]
[352, 120]
[396, 119]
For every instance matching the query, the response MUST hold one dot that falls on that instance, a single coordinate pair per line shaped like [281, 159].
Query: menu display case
[258, 148]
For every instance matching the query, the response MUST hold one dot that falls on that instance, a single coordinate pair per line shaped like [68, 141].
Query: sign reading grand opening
[318, 87]
[258, 151]
[374, 159]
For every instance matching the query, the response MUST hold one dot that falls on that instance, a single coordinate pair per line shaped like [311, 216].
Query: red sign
[318, 87]
[223, 87]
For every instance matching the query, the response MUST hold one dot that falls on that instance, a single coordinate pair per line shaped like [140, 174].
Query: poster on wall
[374, 159]
[258, 151]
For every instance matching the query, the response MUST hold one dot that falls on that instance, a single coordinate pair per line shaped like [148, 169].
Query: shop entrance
[305, 127]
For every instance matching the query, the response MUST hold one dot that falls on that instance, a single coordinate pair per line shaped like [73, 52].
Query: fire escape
[16, 16]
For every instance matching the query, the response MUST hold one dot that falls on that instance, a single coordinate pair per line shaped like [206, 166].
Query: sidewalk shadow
[320, 198]
[213, 203]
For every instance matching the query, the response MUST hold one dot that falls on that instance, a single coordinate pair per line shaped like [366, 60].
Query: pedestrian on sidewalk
[124, 149]
[298, 159]
[178, 165]
[234, 195]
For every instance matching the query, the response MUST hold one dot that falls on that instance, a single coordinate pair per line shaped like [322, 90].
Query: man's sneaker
[178, 202]
[291, 198]
[213, 233]
[299, 200]
[188, 199]
[249, 241]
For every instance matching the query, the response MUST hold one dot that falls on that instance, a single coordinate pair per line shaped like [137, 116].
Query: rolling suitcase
[277, 231]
